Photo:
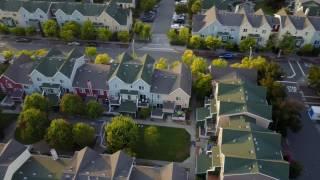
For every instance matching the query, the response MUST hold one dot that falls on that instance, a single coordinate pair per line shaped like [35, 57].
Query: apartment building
[33, 13]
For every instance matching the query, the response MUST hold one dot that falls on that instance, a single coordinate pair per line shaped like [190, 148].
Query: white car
[181, 2]
[176, 26]
[178, 16]
[74, 43]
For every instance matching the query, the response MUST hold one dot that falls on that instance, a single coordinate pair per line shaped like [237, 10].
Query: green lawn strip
[173, 145]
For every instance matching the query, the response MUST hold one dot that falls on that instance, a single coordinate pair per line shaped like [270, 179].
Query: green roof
[204, 162]
[70, 61]
[51, 63]
[202, 114]
[128, 107]
[43, 166]
[86, 9]
[117, 13]
[30, 6]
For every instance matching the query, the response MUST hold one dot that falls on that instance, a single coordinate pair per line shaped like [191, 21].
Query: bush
[144, 113]
[18, 31]
[30, 31]
[123, 36]
[308, 50]
[4, 29]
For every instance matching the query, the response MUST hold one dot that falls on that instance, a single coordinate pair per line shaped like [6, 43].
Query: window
[141, 88]
[131, 86]
[158, 96]
[82, 90]
[245, 30]
[178, 98]
[264, 31]
[243, 37]
[38, 79]
[307, 33]
[61, 81]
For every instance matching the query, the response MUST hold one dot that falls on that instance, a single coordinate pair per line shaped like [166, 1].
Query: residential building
[243, 150]
[235, 26]
[16, 162]
[126, 3]
[310, 7]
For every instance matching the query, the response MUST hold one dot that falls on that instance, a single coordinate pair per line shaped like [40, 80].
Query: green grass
[172, 145]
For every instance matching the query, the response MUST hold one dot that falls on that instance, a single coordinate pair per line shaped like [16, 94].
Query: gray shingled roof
[20, 69]
[117, 13]
[87, 9]
[234, 74]
[31, 6]
[97, 74]
[298, 22]
[315, 21]
[165, 82]
[70, 61]
[51, 63]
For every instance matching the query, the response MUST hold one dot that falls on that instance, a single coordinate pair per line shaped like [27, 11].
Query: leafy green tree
[146, 32]
[286, 115]
[162, 64]
[256, 63]
[199, 65]
[18, 31]
[295, 169]
[147, 5]
[172, 35]
[102, 59]
[83, 134]
[144, 113]
[4, 29]
[59, 135]
[212, 42]
[196, 7]
[8, 54]
[220, 63]
[246, 43]
[184, 35]
[104, 34]
[121, 133]
[188, 57]
[195, 41]
[175, 64]
[314, 77]
[287, 44]
[24, 52]
[94, 109]
[123, 36]
[50, 28]
[270, 69]
[151, 136]
[67, 35]
[31, 126]
[88, 31]
[71, 104]
[181, 8]
[90, 51]
[70, 31]
[275, 90]
[202, 85]
[138, 26]
[30, 31]
[306, 50]
[36, 101]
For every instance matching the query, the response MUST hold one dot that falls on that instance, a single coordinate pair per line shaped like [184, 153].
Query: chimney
[307, 12]
[54, 154]
[237, 8]
[89, 85]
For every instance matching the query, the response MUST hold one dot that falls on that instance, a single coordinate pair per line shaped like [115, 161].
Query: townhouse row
[125, 85]
[238, 25]
[113, 15]
[18, 162]
[236, 120]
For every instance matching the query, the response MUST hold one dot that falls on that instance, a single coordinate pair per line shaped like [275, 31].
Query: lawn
[173, 144]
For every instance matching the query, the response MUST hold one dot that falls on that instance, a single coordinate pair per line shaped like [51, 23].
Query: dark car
[148, 16]
[226, 55]
[93, 44]
[179, 21]
[25, 40]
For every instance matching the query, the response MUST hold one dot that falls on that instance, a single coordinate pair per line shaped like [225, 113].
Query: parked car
[179, 21]
[181, 2]
[93, 44]
[25, 40]
[178, 16]
[227, 55]
[176, 26]
[148, 16]
[74, 43]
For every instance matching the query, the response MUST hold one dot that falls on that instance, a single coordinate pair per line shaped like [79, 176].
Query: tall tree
[196, 7]
[184, 35]
[103, 34]
[188, 57]
[146, 32]
[162, 63]
[213, 42]
[83, 134]
[181, 8]
[36, 101]
[202, 85]
[287, 43]
[147, 5]
[94, 109]
[59, 135]
[71, 104]
[88, 31]
[70, 30]
[90, 52]
[314, 77]
[199, 65]
[246, 43]
[102, 59]
[123, 36]
[50, 28]
[121, 133]
[195, 41]
[220, 63]
[31, 126]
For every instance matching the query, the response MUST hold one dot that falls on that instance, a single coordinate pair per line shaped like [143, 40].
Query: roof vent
[20, 172]
[251, 151]
[234, 140]
[258, 149]
[25, 177]
[92, 162]
[49, 175]
[34, 174]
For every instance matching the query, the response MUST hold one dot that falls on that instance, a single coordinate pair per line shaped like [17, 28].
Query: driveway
[162, 23]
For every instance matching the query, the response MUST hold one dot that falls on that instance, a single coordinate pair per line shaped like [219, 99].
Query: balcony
[143, 102]
[115, 101]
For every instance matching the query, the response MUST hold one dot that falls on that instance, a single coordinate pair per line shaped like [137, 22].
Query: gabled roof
[31, 6]
[120, 164]
[315, 21]
[118, 13]
[70, 61]
[86, 9]
[234, 75]
[20, 69]
[173, 172]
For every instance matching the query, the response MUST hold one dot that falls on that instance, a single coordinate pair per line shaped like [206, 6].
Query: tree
[275, 90]
[246, 62]
[246, 43]
[24, 52]
[40, 52]
[147, 5]
[195, 41]
[71, 104]
[181, 8]
[220, 63]
[67, 35]
[306, 50]
[31, 126]
[90, 51]
[94, 109]
[188, 57]
[88, 31]
[18, 31]
[8, 55]
[102, 59]
[30, 31]
[314, 77]
[121, 133]
[83, 134]
[138, 26]
[123, 36]
[270, 69]
[59, 135]
[184, 35]
[50, 28]
[196, 7]
[212, 42]
[295, 169]
[162, 64]
[4, 29]
[175, 64]
[199, 65]
[172, 35]
[70, 30]
[146, 32]
[287, 44]
[151, 136]
[36, 101]
[104, 34]
[202, 85]
[286, 114]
